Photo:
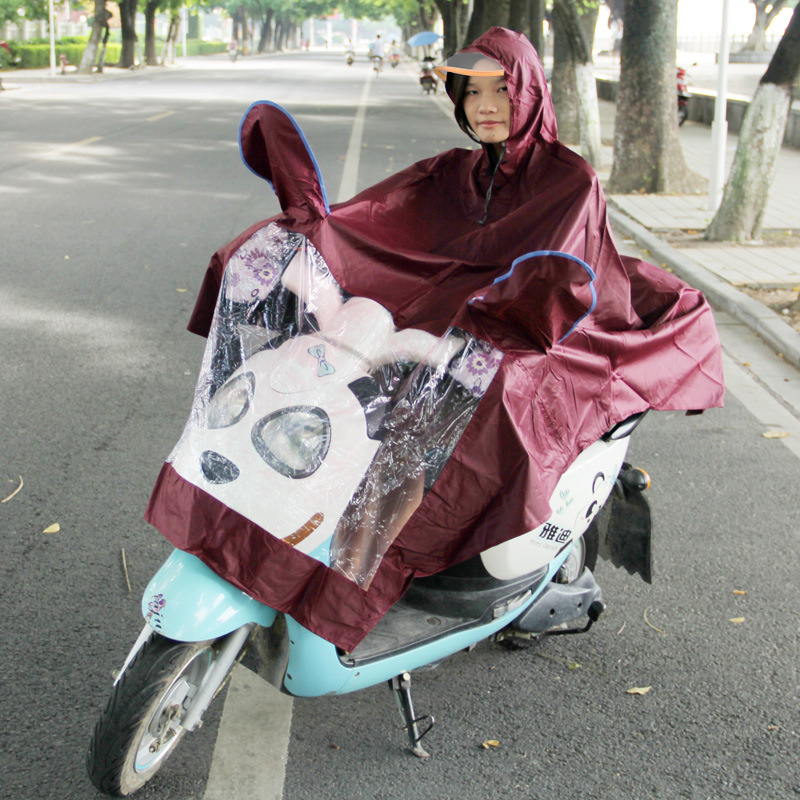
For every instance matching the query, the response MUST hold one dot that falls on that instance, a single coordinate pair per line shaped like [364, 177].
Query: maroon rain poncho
[588, 337]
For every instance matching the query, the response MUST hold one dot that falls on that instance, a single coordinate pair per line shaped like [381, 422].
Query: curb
[721, 294]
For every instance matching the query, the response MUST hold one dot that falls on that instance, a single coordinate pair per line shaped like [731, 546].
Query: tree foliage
[31, 9]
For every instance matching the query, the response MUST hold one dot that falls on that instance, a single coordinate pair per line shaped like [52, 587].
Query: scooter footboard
[187, 601]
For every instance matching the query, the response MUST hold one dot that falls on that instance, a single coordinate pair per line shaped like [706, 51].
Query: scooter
[683, 96]
[394, 59]
[278, 428]
[427, 78]
[349, 57]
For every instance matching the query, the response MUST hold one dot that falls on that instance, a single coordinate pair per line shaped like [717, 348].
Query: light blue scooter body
[315, 668]
[187, 601]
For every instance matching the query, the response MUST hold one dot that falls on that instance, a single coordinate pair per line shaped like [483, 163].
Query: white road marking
[764, 383]
[347, 188]
[773, 415]
[252, 743]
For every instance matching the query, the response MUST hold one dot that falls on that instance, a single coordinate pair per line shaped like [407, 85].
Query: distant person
[376, 48]
[376, 53]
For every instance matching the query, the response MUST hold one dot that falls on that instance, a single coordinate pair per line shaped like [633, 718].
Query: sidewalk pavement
[13, 79]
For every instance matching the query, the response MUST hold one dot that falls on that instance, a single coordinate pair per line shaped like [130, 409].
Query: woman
[506, 247]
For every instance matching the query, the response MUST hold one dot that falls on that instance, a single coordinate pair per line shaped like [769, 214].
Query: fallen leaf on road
[21, 484]
[650, 623]
[739, 591]
[737, 620]
[775, 434]
[638, 690]
[490, 743]
[54, 528]
[181, 290]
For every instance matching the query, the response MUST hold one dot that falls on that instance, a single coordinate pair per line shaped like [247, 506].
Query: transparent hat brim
[474, 64]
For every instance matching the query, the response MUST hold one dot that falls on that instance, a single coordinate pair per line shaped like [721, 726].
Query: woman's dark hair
[456, 86]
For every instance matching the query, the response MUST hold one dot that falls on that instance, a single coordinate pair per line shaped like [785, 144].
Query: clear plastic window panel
[314, 417]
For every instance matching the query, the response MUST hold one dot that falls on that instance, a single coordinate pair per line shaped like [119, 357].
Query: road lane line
[252, 743]
[347, 188]
[157, 117]
[67, 147]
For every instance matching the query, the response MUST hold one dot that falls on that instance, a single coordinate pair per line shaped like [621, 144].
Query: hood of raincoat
[532, 115]
[588, 337]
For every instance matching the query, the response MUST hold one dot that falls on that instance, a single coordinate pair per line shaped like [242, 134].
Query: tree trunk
[647, 153]
[536, 26]
[99, 24]
[270, 29]
[150, 56]
[519, 16]
[263, 35]
[757, 40]
[168, 51]
[741, 213]
[127, 16]
[281, 33]
[486, 14]
[574, 84]
[453, 14]
[101, 61]
[564, 90]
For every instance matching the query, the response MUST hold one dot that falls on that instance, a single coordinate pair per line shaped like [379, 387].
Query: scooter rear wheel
[141, 724]
[582, 556]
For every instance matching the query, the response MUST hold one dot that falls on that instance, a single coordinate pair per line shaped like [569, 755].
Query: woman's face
[486, 105]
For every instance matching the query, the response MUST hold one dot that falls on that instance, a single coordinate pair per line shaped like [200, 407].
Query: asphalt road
[114, 195]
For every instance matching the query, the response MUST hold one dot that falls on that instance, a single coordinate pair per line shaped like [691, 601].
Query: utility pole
[719, 128]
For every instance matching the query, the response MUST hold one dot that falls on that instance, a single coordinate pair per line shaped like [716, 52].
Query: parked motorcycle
[427, 78]
[683, 96]
[301, 376]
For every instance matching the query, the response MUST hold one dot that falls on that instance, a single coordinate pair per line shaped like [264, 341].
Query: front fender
[189, 602]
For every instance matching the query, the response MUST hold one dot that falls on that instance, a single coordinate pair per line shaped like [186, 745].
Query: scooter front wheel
[141, 725]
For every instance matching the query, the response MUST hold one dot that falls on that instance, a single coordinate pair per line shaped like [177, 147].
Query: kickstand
[401, 687]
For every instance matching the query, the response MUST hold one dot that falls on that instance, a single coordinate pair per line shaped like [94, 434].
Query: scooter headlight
[231, 402]
[293, 441]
